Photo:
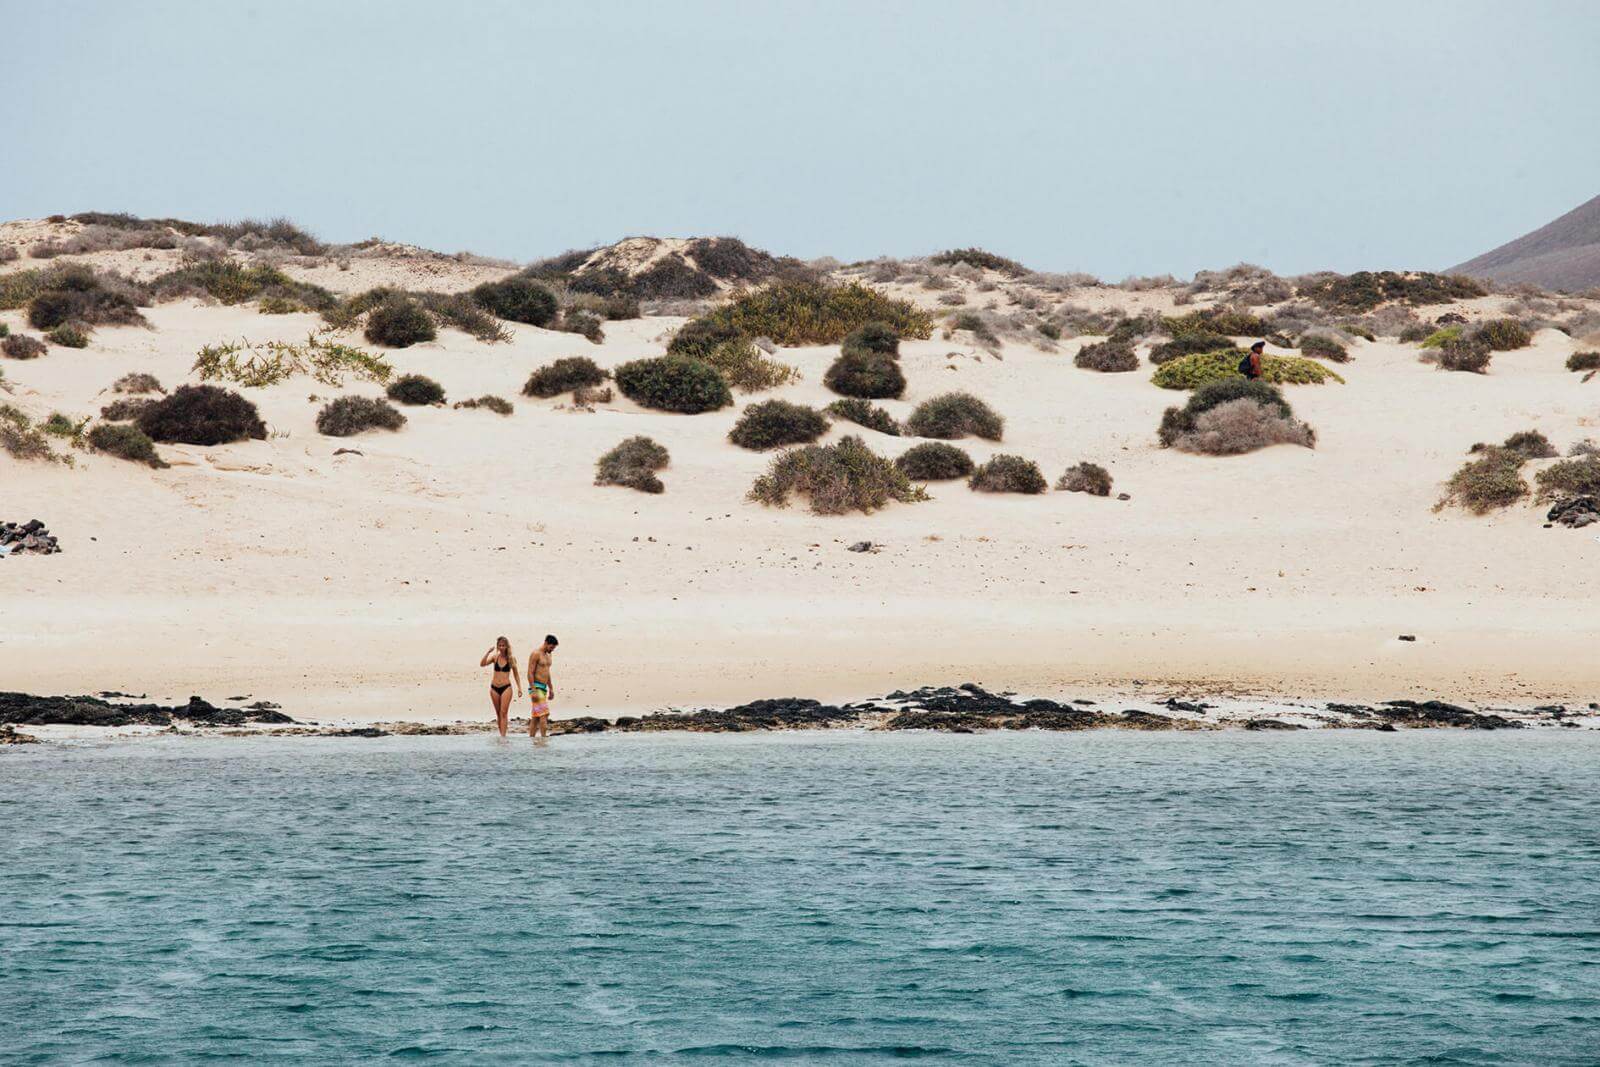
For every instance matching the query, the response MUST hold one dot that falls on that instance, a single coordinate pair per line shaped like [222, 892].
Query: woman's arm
[487, 656]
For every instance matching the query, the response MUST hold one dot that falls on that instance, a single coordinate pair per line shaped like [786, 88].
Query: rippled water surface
[1093, 898]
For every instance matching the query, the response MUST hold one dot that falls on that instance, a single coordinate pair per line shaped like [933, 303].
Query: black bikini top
[499, 669]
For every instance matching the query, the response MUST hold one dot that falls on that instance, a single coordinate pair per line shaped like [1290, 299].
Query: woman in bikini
[504, 663]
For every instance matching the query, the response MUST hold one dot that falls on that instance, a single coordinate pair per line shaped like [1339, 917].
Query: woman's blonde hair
[511, 656]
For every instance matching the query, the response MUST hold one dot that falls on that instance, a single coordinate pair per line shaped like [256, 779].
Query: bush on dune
[873, 337]
[838, 478]
[773, 423]
[229, 282]
[78, 294]
[1232, 416]
[935, 461]
[1008, 474]
[489, 402]
[1494, 480]
[1191, 372]
[1365, 290]
[21, 439]
[21, 346]
[1503, 335]
[858, 411]
[416, 389]
[674, 383]
[747, 368]
[517, 299]
[1324, 347]
[68, 335]
[955, 415]
[125, 442]
[1230, 322]
[400, 323]
[1570, 477]
[1582, 361]
[202, 415]
[564, 376]
[125, 409]
[1188, 344]
[633, 464]
[350, 415]
[583, 323]
[1107, 356]
[977, 257]
[866, 375]
[1530, 444]
[1086, 477]
[1468, 354]
[801, 313]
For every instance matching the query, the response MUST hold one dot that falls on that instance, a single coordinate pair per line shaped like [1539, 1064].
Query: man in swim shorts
[540, 690]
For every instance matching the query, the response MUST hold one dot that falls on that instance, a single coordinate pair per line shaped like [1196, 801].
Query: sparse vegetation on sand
[633, 464]
[1579, 476]
[1230, 322]
[68, 335]
[1365, 290]
[518, 299]
[1233, 416]
[125, 409]
[1459, 353]
[866, 375]
[800, 313]
[125, 442]
[774, 423]
[1107, 356]
[1008, 474]
[230, 282]
[108, 230]
[873, 337]
[674, 383]
[202, 415]
[977, 257]
[1493, 480]
[415, 390]
[400, 322]
[563, 376]
[1583, 361]
[586, 324]
[747, 368]
[935, 461]
[1503, 335]
[1191, 372]
[489, 402]
[79, 295]
[457, 310]
[21, 346]
[21, 439]
[955, 415]
[837, 478]
[1086, 477]
[1188, 344]
[858, 411]
[1322, 346]
[270, 362]
[1530, 444]
[347, 416]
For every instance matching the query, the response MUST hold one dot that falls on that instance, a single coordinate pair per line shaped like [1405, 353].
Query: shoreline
[964, 709]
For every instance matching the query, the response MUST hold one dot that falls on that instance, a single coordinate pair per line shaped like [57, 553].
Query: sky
[1133, 137]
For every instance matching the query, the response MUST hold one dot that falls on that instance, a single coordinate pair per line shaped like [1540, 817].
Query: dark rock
[1148, 720]
[1575, 511]
[27, 709]
[584, 724]
[355, 731]
[1438, 713]
[1408, 637]
[9, 736]
[787, 713]
[862, 546]
[1184, 705]
[1124, 496]
[1271, 724]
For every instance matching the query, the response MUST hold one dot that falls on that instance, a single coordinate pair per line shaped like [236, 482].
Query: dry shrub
[1322, 346]
[125, 442]
[517, 299]
[633, 464]
[1189, 344]
[21, 439]
[1086, 477]
[202, 415]
[1468, 354]
[935, 461]
[21, 346]
[137, 382]
[873, 337]
[1107, 356]
[1582, 361]
[563, 376]
[1503, 335]
[866, 375]
[838, 478]
[1530, 444]
[774, 423]
[955, 415]
[489, 402]
[350, 415]
[1008, 474]
[800, 313]
[1481, 485]
[416, 389]
[125, 409]
[1240, 426]
[1570, 477]
[858, 411]
[747, 369]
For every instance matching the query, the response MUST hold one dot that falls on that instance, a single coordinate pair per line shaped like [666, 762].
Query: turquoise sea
[1317, 898]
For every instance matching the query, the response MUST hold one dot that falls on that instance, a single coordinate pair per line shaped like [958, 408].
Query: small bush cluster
[1494, 480]
[1191, 372]
[1530, 444]
[1365, 290]
[563, 376]
[347, 416]
[1444, 335]
[747, 368]
[800, 313]
[458, 310]
[586, 324]
[518, 299]
[866, 375]
[1008, 474]
[951, 416]
[125, 442]
[1469, 354]
[838, 478]
[21, 346]
[1581, 361]
[21, 439]
[773, 423]
[1086, 477]
[935, 461]
[1188, 344]
[1232, 416]
[1570, 477]
[731, 259]
[1322, 346]
[489, 402]
[400, 323]
[1503, 335]
[125, 409]
[633, 464]
[1107, 356]
[1230, 322]
[858, 411]
[202, 415]
[415, 389]
[259, 365]
[977, 257]
[873, 337]
[674, 383]
[229, 282]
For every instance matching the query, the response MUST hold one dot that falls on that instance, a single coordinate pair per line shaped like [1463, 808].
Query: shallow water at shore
[1094, 897]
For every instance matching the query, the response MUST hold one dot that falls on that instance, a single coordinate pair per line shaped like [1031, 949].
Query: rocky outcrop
[17, 538]
[9, 736]
[29, 710]
[1575, 511]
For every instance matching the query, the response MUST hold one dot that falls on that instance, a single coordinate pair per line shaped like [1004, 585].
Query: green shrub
[672, 278]
[416, 389]
[20, 439]
[1191, 372]
[518, 299]
[1132, 327]
[5, 331]
[633, 464]
[68, 335]
[773, 423]
[400, 323]
[1484, 484]
[977, 257]
[1008, 474]
[1469, 354]
[21, 346]
[1503, 335]
[731, 259]
[858, 411]
[1530, 444]
[1050, 330]
[935, 461]
[1416, 332]
[974, 324]
[866, 375]
[1365, 290]
[873, 337]
[838, 478]
[1230, 322]
[674, 383]
[582, 323]
[563, 376]
[278, 305]
[747, 368]
[1580, 361]
[271, 362]
[1241, 426]
[202, 415]
[1324, 347]
[125, 442]
[1570, 477]
[801, 313]
[1443, 336]
[125, 409]
[347, 416]
[1107, 356]
[1088, 478]
[59, 425]
[497, 404]
[75, 293]
[1188, 344]
[955, 415]
[229, 282]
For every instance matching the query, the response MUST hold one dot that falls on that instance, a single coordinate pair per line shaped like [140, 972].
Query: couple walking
[540, 691]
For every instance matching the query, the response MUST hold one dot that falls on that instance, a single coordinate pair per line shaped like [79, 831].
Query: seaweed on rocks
[784, 713]
[29, 710]
[1438, 713]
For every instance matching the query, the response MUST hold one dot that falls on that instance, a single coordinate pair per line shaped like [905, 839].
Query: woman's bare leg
[502, 708]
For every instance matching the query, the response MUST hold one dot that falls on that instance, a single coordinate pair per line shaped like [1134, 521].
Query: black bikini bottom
[498, 689]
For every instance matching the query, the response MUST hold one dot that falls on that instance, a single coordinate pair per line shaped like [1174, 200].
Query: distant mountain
[1562, 255]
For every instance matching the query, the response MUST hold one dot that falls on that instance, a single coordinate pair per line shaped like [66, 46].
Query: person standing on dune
[540, 689]
[1250, 365]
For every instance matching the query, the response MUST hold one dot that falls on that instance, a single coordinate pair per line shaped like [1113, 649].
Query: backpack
[1244, 366]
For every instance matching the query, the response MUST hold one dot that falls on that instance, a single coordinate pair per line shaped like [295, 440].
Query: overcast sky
[1117, 138]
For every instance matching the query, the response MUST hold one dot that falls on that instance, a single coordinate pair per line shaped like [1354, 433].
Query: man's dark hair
[550, 639]
[1258, 346]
